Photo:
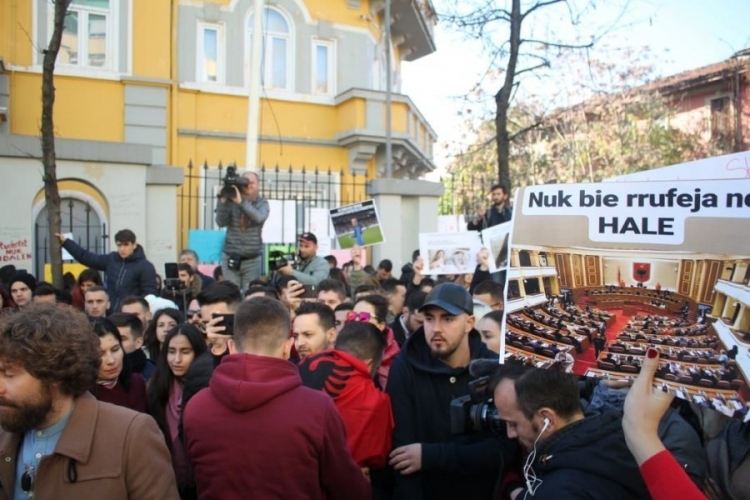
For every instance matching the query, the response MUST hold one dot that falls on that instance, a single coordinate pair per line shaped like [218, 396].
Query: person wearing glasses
[58, 441]
[374, 309]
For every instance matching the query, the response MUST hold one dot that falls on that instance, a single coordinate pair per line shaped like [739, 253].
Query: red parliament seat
[685, 380]
[670, 376]
[706, 382]
[517, 343]
[547, 353]
[566, 340]
[723, 384]
[616, 348]
[629, 369]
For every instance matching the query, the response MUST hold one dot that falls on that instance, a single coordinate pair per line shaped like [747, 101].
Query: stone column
[406, 207]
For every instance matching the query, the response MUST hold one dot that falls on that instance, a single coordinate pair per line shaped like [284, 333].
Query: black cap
[308, 237]
[451, 297]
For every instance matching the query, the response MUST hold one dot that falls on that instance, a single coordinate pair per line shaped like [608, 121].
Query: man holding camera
[243, 214]
[430, 372]
[312, 269]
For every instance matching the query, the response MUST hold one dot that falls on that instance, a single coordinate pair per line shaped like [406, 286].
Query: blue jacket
[123, 278]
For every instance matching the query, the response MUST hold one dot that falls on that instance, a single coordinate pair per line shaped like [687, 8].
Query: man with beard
[431, 371]
[57, 439]
[498, 213]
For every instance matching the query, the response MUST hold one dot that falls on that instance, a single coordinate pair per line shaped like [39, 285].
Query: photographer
[311, 269]
[243, 211]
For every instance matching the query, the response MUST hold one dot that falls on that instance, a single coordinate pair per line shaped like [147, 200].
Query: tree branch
[539, 5]
[559, 45]
[526, 129]
[533, 68]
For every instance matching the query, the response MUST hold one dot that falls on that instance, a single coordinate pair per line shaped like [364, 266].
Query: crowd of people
[343, 382]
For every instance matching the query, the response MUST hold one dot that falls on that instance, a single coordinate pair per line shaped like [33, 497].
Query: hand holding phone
[224, 320]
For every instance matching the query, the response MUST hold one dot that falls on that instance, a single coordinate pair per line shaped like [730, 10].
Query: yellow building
[144, 86]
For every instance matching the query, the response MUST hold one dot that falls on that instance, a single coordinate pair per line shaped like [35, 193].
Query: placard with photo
[357, 224]
[617, 268]
[451, 253]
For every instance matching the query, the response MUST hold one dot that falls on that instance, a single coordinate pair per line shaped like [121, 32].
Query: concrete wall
[125, 192]
[406, 208]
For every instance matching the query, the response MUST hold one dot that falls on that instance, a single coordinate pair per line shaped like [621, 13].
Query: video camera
[278, 259]
[476, 412]
[232, 179]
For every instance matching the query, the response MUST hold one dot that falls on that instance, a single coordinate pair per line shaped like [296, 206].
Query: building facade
[149, 86]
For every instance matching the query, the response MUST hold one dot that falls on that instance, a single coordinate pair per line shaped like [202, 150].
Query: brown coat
[105, 451]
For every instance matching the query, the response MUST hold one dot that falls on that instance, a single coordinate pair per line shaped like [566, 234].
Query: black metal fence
[77, 218]
[465, 194]
[305, 187]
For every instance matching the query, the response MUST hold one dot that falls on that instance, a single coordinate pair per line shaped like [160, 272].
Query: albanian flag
[641, 272]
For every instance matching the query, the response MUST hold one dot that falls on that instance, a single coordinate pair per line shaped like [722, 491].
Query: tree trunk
[502, 98]
[51, 192]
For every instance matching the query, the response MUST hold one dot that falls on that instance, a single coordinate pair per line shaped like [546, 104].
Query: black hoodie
[421, 389]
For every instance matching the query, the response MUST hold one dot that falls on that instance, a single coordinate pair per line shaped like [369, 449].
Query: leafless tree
[504, 28]
[49, 159]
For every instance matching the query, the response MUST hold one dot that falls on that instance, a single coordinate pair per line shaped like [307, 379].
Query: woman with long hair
[182, 345]
[87, 279]
[162, 322]
[438, 260]
[115, 382]
[490, 328]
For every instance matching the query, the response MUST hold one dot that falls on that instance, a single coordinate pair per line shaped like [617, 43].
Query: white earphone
[546, 424]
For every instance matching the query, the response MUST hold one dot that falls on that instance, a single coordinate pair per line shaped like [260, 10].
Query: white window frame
[330, 45]
[267, 75]
[201, 76]
[112, 33]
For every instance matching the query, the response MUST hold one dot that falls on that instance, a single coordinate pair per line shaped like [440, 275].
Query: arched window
[277, 52]
[78, 218]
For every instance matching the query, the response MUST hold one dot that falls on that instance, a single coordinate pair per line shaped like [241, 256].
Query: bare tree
[518, 52]
[49, 158]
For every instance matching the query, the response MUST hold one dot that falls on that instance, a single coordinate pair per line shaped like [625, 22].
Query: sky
[680, 35]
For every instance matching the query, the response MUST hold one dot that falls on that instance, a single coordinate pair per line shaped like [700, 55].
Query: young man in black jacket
[127, 271]
[431, 371]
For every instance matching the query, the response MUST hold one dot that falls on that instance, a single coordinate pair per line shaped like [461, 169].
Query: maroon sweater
[133, 398]
[256, 432]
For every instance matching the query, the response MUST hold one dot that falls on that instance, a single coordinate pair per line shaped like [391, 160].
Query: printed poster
[357, 224]
[647, 263]
[449, 253]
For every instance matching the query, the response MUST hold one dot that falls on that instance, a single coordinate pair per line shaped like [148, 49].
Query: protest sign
[452, 253]
[496, 239]
[357, 224]
[659, 264]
